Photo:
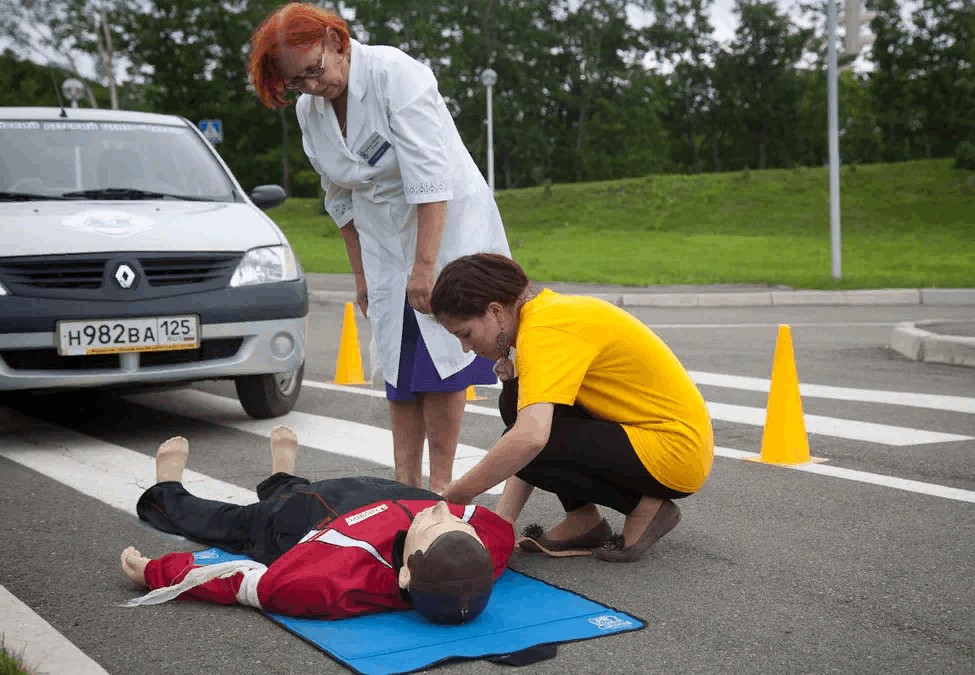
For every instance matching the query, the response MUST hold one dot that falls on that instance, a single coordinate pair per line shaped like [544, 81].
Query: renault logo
[124, 276]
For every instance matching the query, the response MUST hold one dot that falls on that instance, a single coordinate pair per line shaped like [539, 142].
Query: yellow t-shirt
[576, 349]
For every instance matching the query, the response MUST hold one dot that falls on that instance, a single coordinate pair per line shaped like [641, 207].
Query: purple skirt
[418, 374]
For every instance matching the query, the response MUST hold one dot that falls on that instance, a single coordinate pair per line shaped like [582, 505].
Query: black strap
[527, 656]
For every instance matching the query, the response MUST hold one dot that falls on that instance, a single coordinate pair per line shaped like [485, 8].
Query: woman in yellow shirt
[601, 410]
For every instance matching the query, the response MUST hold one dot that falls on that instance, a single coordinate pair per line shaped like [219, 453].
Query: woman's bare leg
[408, 433]
[513, 498]
[576, 523]
[442, 415]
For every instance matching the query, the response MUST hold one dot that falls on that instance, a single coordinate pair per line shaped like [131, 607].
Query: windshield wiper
[116, 193]
[131, 193]
[25, 197]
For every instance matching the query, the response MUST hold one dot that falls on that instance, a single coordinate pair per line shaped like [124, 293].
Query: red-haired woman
[407, 198]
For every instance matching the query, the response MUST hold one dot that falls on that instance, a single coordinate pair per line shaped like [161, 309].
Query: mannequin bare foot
[171, 459]
[284, 449]
[134, 565]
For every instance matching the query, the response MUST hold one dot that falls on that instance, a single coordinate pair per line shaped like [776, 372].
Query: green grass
[11, 664]
[905, 225]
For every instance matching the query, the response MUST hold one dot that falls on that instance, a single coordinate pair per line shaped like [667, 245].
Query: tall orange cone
[784, 440]
[348, 369]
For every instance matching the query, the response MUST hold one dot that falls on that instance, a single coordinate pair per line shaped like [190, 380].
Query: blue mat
[523, 613]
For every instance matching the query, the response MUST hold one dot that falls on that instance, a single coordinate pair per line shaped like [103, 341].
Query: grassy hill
[904, 225]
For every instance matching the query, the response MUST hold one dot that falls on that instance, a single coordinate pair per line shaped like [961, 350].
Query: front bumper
[251, 330]
[228, 350]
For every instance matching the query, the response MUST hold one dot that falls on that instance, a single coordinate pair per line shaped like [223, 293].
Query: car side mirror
[268, 196]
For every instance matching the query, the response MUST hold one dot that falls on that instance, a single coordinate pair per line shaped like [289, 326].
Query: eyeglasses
[296, 83]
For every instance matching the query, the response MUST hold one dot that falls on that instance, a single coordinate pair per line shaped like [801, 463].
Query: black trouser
[586, 460]
[289, 508]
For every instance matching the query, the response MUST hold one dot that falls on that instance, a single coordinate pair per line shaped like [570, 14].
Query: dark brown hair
[451, 581]
[467, 285]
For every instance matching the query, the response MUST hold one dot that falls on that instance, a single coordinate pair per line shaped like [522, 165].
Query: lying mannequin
[330, 549]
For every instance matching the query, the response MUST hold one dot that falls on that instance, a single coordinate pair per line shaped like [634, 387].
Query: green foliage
[965, 156]
[573, 98]
[12, 664]
[905, 225]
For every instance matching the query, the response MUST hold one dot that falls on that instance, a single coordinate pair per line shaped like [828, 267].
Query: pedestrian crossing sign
[212, 130]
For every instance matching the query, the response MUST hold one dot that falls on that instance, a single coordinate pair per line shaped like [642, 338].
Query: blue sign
[212, 130]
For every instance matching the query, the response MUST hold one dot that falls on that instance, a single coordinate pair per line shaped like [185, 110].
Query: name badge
[374, 148]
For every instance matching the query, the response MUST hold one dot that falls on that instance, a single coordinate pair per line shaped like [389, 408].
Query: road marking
[909, 399]
[932, 401]
[337, 436]
[776, 324]
[110, 473]
[815, 424]
[838, 428]
[956, 494]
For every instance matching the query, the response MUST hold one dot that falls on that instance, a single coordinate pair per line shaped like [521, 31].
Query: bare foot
[171, 459]
[639, 519]
[576, 523]
[284, 449]
[134, 565]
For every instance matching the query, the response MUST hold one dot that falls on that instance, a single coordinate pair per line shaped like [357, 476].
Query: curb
[907, 296]
[39, 644]
[917, 344]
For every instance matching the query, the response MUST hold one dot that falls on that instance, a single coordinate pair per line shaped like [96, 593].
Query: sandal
[594, 538]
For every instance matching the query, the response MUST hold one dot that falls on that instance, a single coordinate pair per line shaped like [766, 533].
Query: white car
[129, 255]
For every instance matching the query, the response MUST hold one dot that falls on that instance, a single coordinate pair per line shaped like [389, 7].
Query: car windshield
[47, 159]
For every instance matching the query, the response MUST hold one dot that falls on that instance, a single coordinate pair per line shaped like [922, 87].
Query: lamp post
[73, 90]
[489, 78]
[834, 144]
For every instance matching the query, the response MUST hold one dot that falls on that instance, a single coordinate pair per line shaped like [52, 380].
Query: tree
[765, 51]
[63, 32]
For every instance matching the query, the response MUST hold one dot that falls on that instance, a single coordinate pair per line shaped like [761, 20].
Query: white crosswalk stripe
[815, 424]
[337, 436]
[117, 476]
[110, 473]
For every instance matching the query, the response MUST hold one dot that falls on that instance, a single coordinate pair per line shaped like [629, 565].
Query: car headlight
[3, 290]
[266, 265]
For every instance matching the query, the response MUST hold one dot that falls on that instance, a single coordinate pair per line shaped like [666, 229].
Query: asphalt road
[772, 570]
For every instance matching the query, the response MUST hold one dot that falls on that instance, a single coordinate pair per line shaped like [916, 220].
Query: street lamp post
[489, 78]
[73, 90]
[834, 144]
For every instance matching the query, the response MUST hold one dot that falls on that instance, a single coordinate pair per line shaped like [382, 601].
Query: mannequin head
[446, 567]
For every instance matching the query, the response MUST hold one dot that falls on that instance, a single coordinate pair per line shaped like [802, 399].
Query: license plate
[115, 336]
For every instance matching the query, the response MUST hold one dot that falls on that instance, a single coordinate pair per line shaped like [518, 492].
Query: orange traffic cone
[348, 369]
[784, 440]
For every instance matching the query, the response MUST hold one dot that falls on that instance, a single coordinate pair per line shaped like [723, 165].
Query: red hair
[297, 24]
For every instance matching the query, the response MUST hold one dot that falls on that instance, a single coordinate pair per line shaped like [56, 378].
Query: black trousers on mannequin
[586, 460]
[288, 508]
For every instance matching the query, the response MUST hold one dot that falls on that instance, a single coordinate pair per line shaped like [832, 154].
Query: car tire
[267, 396]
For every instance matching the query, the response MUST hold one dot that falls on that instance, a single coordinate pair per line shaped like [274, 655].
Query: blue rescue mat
[524, 621]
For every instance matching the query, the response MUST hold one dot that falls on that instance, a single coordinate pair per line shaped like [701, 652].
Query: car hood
[42, 228]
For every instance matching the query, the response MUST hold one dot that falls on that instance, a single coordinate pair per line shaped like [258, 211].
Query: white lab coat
[393, 95]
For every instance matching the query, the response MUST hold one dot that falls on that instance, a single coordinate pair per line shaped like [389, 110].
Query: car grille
[177, 271]
[55, 273]
[76, 276]
[49, 359]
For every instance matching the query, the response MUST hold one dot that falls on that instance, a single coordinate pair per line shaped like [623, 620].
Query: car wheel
[266, 396]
